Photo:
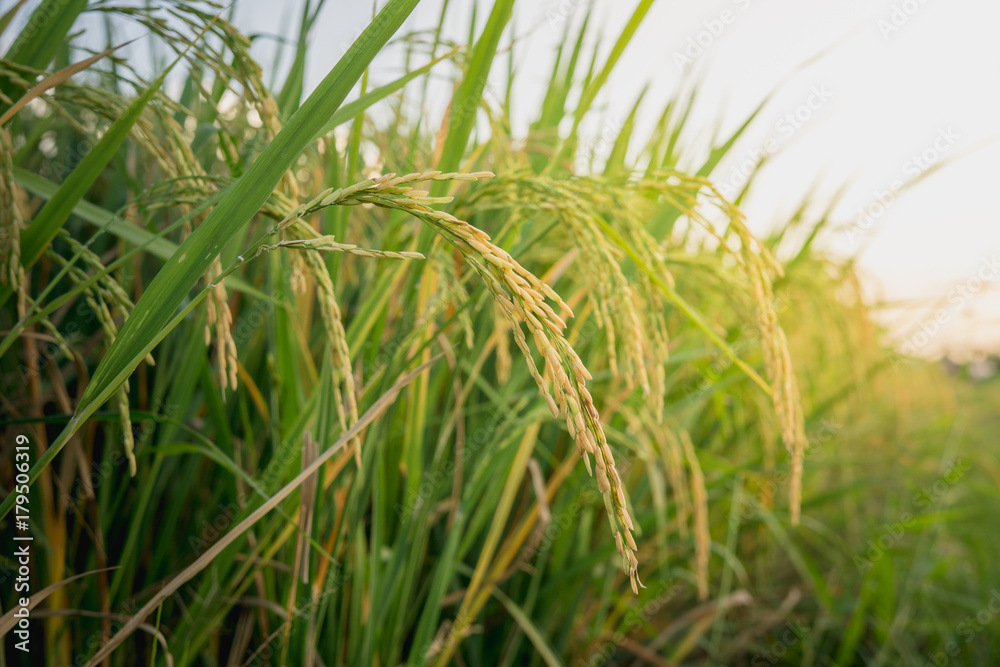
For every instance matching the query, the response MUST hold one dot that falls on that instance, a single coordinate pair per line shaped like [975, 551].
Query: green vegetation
[307, 388]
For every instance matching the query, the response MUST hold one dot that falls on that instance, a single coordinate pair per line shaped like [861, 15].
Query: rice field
[328, 377]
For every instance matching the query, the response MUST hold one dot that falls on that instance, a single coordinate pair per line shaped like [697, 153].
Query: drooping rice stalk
[11, 221]
[758, 264]
[522, 299]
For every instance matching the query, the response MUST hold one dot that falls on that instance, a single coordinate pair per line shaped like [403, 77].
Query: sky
[894, 104]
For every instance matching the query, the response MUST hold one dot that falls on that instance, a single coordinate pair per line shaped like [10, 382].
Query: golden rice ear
[523, 300]
[11, 220]
[678, 480]
[345, 392]
[644, 340]
[683, 191]
[127, 438]
[702, 538]
[777, 360]
[630, 313]
[220, 317]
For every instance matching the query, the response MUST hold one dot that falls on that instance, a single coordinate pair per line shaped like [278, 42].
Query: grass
[304, 387]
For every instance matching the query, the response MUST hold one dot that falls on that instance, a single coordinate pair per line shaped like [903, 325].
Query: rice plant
[262, 345]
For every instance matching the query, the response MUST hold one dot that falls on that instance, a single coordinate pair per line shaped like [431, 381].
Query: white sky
[891, 95]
